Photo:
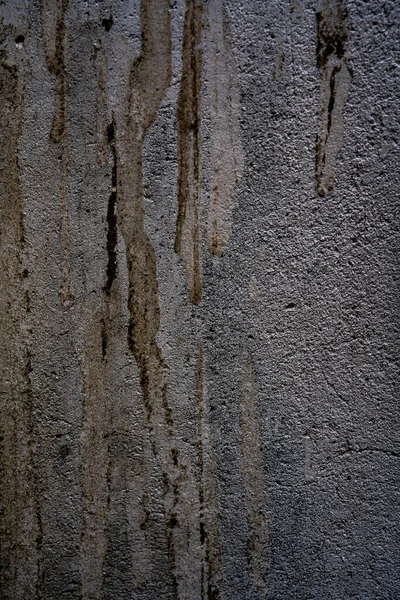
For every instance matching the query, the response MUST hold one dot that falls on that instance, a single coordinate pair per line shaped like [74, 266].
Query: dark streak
[96, 457]
[149, 79]
[332, 97]
[170, 522]
[200, 450]
[35, 475]
[211, 551]
[103, 339]
[112, 231]
[188, 231]
[146, 512]
[331, 50]
[21, 530]
[56, 66]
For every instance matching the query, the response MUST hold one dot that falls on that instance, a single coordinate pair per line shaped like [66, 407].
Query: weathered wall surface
[198, 302]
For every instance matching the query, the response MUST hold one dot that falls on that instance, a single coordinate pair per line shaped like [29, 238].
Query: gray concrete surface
[199, 302]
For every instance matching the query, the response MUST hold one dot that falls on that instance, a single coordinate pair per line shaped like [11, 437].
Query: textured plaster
[198, 302]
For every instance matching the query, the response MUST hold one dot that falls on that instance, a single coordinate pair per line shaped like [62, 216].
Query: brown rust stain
[54, 36]
[332, 40]
[208, 493]
[254, 479]
[20, 534]
[188, 224]
[227, 154]
[150, 76]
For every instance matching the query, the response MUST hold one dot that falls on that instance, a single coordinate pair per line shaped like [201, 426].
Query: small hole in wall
[64, 451]
[108, 23]
[290, 305]
[20, 39]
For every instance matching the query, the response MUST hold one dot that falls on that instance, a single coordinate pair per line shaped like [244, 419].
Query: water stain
[101, 65]
[149, 79]
[21, 531]
[188, 225]
[208, 493]
[97, 348]
[54, 36]
[332, 40]
[150, 76]
[227, 156]
[254, 479]
[96, 462]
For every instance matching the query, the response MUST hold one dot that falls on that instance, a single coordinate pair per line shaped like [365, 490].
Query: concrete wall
[198, 305]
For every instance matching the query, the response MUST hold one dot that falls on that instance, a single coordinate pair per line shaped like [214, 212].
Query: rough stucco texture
[198, 304]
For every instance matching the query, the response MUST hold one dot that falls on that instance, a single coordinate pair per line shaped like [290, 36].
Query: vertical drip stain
[20, 534]
[101, 65]
[257, 545]
[188, 225]
[332, 39]
[95, 459]
[227, 155]
[208, 494]
[98, 424]
[149, 79]
[54, 34]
